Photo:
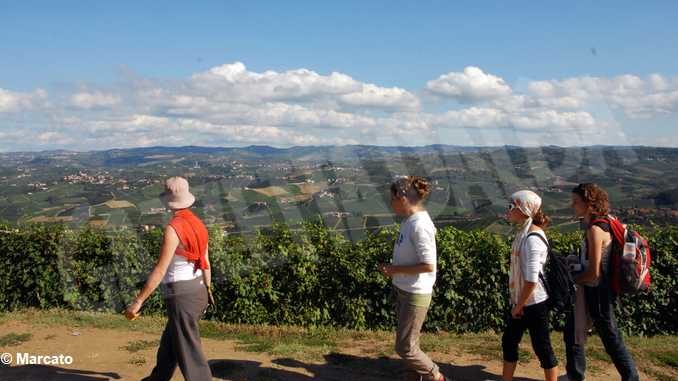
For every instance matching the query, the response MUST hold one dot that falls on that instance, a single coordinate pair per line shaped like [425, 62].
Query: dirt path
[106, 354]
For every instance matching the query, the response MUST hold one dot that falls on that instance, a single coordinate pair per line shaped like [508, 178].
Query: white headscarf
[529, 204]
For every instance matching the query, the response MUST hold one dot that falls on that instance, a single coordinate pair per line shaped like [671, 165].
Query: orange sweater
[193, 236]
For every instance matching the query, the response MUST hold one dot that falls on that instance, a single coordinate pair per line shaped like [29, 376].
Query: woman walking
[183, 270]
[528, 293]
[413, 273]
[594, 299]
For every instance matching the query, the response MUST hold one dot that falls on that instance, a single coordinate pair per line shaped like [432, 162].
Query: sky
[99, 75]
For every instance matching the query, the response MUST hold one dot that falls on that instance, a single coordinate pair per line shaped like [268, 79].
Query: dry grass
[98, 223]
[309, 188]
[119, 204]
[272, 191]
[52, 219]
[300, 197]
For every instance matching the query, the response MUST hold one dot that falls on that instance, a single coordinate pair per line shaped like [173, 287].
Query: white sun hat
[176, 194]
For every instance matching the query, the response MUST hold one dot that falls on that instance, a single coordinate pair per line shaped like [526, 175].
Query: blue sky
[54, 52]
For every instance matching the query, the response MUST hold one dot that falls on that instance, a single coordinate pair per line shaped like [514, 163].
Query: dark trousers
[600, 303]
[535, 319]
[180, 343]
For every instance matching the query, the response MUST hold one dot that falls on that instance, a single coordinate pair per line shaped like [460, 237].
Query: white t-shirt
[533, 255]
[416, 244]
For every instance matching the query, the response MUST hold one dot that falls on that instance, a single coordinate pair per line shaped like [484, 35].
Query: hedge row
[309, 277]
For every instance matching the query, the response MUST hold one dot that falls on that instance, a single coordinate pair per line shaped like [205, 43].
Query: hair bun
[541, 219]
[415, 188]
[422, 186]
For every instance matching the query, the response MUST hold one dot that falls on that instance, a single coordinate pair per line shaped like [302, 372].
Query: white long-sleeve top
[526, 266]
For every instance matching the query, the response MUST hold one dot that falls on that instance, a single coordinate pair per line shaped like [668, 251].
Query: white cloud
[54, 138]
[278, 113]
[635, 96]
[146, 130]
[88, 100]
[231, 105]
[11, 101]
[473, 117]
[470, 85]
[380, 97]
[236, 83]
[534, 120]
[555, 120]
[519, 102]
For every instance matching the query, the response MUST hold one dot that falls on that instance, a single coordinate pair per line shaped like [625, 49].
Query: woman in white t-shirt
[413, 273]
[529, 311]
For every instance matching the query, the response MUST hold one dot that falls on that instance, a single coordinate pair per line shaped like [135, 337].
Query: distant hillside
[667, 198]
[248, 188]
[136, 156]
[553, 155]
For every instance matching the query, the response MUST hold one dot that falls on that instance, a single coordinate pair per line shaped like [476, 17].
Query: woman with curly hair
[413, 273]
[595, 300]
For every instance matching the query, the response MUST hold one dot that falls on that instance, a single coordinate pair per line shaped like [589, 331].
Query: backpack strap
[549, 254]
[613, 226]
[541, 237]
[602, 223]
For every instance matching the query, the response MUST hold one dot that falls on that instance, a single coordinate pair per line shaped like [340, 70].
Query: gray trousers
[180, 343]
[410, 321]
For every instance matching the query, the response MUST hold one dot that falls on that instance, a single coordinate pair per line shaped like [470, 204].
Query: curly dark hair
[595, 197]
[415, 188]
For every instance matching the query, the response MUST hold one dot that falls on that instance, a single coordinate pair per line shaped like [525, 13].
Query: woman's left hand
[132, 311]
[517, 312]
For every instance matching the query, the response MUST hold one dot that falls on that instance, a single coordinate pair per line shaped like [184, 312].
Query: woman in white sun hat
[184, 271]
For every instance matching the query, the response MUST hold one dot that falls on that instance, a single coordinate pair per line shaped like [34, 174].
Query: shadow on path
[52, 373]
[340, 367]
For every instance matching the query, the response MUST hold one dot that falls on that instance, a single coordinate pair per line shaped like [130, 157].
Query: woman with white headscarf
[529, 311]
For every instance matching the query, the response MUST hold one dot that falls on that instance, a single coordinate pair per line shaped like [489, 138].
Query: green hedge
[309, 277]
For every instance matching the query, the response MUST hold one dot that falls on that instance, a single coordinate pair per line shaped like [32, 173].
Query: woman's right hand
[385, 269]
[517, 312]
[132, 311]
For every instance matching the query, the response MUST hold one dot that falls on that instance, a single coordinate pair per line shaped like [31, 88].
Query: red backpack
[630, 259]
